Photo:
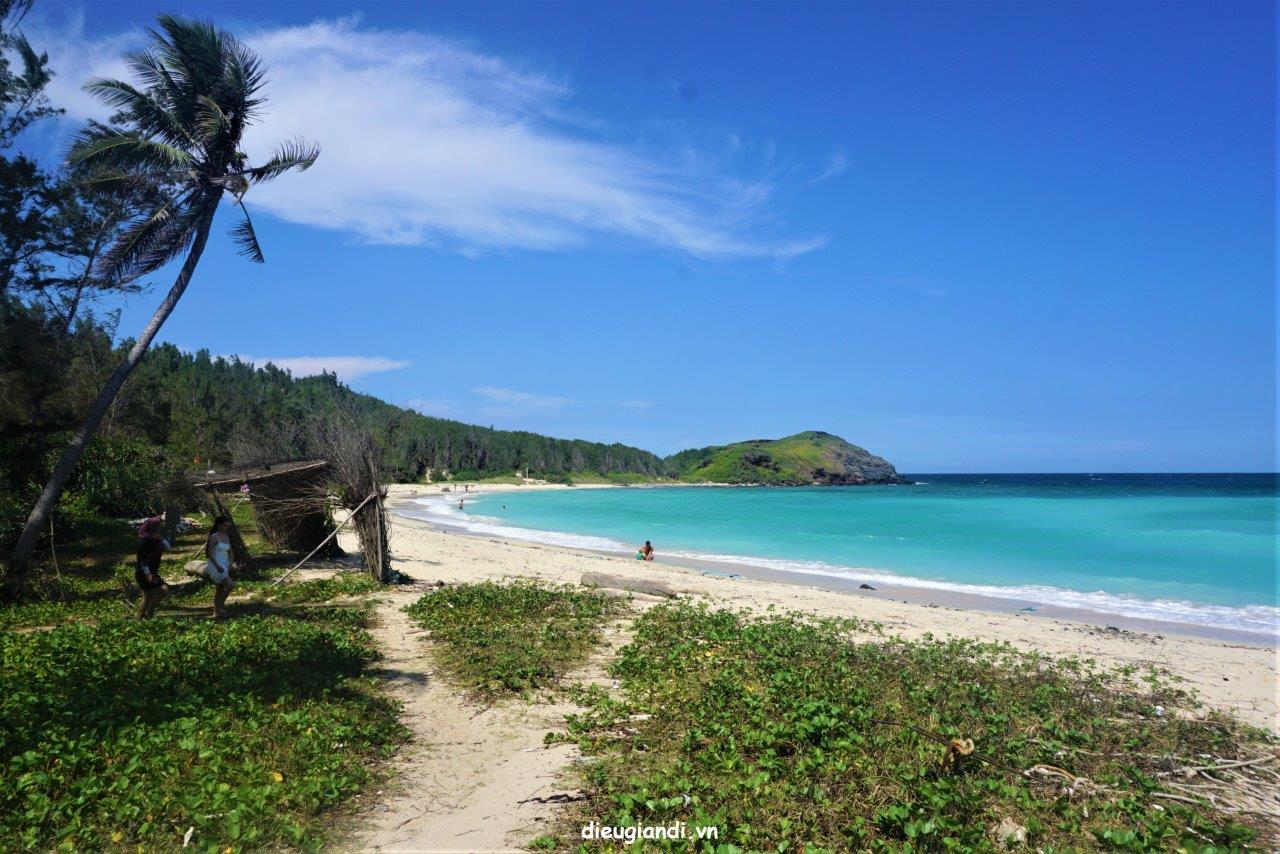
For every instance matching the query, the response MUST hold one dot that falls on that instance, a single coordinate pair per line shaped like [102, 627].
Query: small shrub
[508, 638]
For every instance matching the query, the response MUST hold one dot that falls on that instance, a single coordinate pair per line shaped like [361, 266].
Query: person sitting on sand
[218, 550]
[647, 550]
[147, 574]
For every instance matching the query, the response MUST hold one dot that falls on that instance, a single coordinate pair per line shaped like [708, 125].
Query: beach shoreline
[1230, 669]
[923, 595]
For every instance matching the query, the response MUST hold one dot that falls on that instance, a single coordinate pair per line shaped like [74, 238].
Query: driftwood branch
[622, 582]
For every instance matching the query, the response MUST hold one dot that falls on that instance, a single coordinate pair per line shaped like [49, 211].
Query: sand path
[474, 778]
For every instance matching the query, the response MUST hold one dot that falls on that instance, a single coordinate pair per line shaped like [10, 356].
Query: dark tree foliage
[221, 412]
[27, 193]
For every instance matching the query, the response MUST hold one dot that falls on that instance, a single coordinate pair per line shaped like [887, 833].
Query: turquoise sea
[1186, 548]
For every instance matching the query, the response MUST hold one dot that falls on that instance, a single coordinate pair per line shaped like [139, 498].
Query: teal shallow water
[1188, 548]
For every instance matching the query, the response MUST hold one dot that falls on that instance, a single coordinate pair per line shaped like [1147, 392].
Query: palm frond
[193, 51]
[151, 73]
[214, 125]
[143, 109]
[244, 78]
[296, 153]
[246, 238]
[154, 240]
[108, 179]
[98, 145]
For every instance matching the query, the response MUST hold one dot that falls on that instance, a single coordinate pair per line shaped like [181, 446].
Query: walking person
[147, 575]
[218, 551]
[152, 528]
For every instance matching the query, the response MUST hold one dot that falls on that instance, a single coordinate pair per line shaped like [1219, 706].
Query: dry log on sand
[622, 582]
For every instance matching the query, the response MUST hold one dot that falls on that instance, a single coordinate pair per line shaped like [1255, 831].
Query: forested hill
[228, 411]
[805, 458]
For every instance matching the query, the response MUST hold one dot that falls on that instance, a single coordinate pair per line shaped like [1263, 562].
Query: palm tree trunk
[20, 557]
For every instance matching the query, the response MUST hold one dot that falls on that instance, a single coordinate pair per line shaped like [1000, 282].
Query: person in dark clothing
[147, 574]
[152, 528]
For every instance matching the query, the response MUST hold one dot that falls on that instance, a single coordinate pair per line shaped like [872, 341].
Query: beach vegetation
[341, 586]
[502, 639]
[617, 478]
[169, 733]
[785, 733]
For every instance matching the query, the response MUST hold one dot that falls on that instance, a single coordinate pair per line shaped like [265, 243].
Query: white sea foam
[446, 512]
[1255, 619]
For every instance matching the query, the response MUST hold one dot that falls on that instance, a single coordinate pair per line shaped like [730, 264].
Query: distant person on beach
[147, 575]
[646, 551]
[218, 550]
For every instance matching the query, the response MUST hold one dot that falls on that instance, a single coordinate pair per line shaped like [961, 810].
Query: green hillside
[813, 457]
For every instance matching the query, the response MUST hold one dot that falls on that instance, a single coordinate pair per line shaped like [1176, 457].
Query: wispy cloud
[520, 399]
[347, 368]
[924, 288]
[837, 164]
[428, 141]
[430, 405]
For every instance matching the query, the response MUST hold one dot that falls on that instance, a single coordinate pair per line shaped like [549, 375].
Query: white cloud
[347, 368]
[520, 399]
[427, 141]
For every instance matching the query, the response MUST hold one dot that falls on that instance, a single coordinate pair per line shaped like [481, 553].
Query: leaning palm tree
[179, 133]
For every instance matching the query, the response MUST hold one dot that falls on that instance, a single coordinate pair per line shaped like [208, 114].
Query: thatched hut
[287, 498]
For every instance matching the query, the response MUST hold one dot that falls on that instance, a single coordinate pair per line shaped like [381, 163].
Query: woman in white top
[218, 550]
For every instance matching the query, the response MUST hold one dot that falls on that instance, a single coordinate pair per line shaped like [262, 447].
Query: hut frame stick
[351, 516]
[380, 573]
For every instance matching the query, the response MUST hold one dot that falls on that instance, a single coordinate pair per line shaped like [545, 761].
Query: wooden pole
[380, 568]
[325, 540]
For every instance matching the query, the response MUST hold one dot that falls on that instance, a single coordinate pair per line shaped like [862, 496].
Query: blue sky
[970, 237]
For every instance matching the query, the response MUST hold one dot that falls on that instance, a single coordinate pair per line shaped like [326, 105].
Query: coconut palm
[179, 132]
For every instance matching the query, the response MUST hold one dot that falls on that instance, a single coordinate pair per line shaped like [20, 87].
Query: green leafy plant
[503, 638]
[131, 733]
[785, 734]
[345, 584]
